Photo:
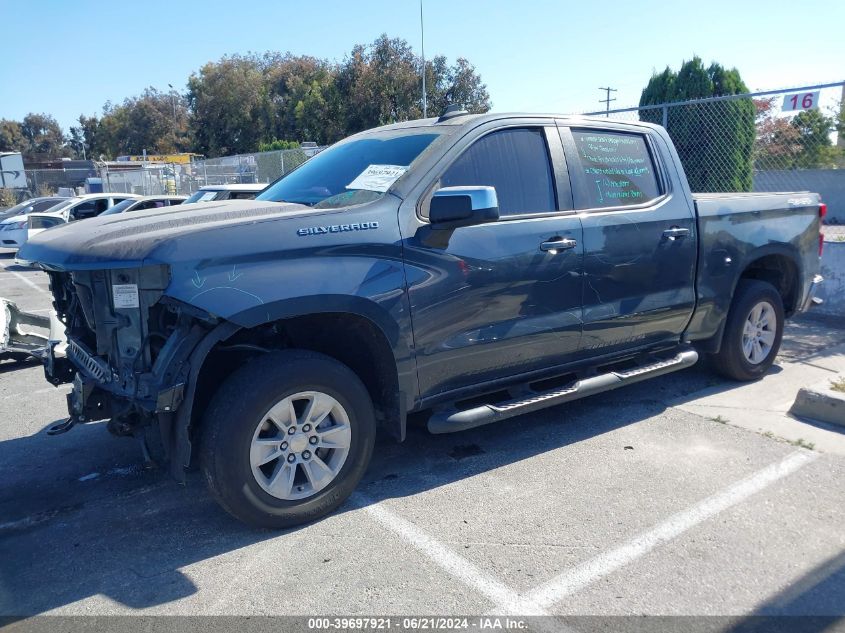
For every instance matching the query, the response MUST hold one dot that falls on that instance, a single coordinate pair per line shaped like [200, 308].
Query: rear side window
[618, 169]
[515, 162]
[242, 195]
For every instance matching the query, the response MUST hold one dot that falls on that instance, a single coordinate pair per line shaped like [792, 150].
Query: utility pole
[422, 46]
[607, 99]
[173, 105]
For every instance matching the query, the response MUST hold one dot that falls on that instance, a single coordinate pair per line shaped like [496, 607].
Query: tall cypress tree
[714, 139]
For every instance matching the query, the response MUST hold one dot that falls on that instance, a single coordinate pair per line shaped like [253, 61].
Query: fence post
[665, 116]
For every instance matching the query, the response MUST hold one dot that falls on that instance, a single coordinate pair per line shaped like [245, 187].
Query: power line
[607, 99]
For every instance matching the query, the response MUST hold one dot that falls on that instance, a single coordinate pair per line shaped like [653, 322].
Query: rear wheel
[753, 331]
[287, 438]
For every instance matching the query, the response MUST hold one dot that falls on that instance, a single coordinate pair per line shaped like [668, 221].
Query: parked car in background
[32, 205]
[225, 192]
[147, 202]
[14, 230]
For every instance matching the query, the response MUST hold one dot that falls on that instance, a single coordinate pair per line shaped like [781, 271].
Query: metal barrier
[172, 178]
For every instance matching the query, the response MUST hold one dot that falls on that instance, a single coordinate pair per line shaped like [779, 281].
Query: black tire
[239, 406]
[731, 361]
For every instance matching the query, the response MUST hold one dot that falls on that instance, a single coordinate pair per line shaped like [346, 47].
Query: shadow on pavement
[79, 516]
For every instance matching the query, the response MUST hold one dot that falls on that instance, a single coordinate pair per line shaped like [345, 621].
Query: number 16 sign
[801, 101]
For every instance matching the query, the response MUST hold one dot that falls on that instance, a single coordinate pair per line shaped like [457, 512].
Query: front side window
[515, 162]
[617, 168]
[352, 172]
[84, 210]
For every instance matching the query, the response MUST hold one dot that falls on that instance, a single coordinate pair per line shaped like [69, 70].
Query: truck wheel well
[782, 273]
[350, 339]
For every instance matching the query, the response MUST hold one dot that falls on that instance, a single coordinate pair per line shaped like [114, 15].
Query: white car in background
[36, 205]
[214, 193]
[14, 231]
[147, 202]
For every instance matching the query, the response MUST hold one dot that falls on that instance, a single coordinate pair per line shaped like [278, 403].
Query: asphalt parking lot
[634, 502]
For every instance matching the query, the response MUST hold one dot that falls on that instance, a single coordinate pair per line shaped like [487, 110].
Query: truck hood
[129, 240]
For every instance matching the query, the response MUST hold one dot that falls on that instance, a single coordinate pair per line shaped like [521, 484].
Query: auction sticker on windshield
[377, 177]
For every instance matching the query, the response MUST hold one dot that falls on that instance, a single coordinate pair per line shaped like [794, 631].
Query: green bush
[714, 139]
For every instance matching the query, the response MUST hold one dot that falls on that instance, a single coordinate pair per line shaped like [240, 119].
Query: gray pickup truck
[469, 268]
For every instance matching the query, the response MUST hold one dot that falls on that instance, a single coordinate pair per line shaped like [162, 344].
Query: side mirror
[452, 207]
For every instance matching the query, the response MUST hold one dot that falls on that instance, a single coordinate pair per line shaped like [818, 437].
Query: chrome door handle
[558, 244]
[675, 232]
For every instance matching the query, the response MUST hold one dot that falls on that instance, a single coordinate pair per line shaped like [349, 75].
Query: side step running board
[452, 420]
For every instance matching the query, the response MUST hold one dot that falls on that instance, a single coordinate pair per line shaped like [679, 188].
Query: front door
[494, 300]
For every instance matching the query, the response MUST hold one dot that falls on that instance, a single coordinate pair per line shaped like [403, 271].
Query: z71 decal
[337, 228]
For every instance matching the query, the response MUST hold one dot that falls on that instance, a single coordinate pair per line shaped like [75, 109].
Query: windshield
[63, 204]
[201, 196]
[120, 207]
[350, 173]
[18, 208]
[31, 205]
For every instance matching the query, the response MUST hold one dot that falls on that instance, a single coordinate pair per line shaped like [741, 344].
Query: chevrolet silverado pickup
[469, 269]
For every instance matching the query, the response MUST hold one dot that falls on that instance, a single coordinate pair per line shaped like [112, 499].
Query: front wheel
[753, 331]
[287, 438]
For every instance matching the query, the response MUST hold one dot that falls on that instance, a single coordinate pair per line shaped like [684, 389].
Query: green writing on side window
[619, 168]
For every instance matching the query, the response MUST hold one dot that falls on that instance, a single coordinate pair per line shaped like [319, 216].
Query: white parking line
[588, 572]
[28, 282]
[503, 597]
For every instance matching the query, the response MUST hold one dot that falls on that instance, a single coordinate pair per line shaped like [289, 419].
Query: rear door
[639, 238]
[491, 301]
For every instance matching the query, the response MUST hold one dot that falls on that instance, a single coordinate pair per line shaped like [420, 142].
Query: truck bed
[735, 228]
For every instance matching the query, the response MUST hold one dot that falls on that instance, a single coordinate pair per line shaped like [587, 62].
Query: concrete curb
[820, 402]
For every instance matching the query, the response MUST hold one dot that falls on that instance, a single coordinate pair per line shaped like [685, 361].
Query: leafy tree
[714, 139]
[305, 99]
[154, 121]
[86, 139]
[43, 137]
[813, 138]
[776, 145]
[381, 84]
[276, 145]
[11, 136]
[802, 141]
[230, 106]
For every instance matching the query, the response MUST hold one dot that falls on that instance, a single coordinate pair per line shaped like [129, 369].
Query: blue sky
[68, 57]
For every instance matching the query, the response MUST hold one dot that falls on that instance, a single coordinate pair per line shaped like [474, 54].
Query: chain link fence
[153, 178]
[780, 140]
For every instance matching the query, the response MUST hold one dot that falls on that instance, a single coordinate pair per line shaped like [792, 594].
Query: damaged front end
[127, 349]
